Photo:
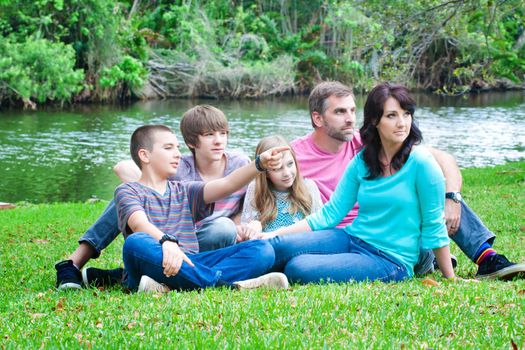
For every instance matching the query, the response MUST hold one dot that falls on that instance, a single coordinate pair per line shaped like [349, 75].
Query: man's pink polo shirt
[326, 168]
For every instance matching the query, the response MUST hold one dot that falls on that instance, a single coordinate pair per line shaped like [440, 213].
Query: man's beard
[338, 134]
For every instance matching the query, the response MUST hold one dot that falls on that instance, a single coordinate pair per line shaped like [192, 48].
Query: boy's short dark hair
[322, 91]
[142, 138]
[200, 119]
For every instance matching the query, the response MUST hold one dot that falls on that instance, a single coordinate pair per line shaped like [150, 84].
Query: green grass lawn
[490, 314]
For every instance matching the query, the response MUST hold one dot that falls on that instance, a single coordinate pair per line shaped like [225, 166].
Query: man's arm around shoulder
[453, 178]
[127, 171]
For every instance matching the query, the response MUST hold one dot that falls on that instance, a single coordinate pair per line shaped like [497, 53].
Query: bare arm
[138, 222]
[450, 169]
[444, 262]
[220, 188]
[298, 227]
[127, 171]
[452, 174]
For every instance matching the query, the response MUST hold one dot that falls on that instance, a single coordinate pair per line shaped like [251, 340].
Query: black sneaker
[93, 277]
[498, 266]
[453, 259]
[68, 276]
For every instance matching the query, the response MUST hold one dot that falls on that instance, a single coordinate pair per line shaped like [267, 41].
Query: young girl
[279, 197]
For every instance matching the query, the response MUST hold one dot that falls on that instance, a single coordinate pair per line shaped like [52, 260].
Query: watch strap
[258, 164]
[167, 237]
[455, 196]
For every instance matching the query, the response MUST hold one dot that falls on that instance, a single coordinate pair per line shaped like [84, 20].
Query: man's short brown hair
[321, 93]
[143, 138]
[200, 119]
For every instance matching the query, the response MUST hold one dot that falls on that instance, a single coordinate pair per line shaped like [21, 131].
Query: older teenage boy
[205, 131]
[157, 218]
[324, 154]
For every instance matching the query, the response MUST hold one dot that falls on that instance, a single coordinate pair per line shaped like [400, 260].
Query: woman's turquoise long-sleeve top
[398, 214]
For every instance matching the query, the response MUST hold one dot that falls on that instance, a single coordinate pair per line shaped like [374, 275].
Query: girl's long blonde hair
[264, 198]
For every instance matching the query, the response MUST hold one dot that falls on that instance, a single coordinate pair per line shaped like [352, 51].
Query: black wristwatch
[258, 164]
[167, 237]
[455, 196]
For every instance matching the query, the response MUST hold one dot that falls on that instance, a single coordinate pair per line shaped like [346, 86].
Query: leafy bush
[38, 69]
[129, 72]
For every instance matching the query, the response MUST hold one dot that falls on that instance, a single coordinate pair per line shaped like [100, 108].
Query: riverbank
[114, 51]
[404, 315]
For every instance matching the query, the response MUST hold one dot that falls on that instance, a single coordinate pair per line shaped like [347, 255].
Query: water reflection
[67, 155]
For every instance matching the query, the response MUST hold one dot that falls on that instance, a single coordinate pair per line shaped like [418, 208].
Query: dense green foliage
[408, 315]
[258, 48]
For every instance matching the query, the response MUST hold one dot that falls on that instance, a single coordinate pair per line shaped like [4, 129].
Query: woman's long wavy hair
[373, 113]
[264, 198]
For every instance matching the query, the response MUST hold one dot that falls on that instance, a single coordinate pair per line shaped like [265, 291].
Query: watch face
[458, 197]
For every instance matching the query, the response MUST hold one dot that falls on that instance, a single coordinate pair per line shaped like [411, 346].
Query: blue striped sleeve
[199, 209]
[127, 201]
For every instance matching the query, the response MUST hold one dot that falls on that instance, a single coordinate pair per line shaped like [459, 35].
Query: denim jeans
[216, 234]
[470, 236]
[333, 256]
[142, 255]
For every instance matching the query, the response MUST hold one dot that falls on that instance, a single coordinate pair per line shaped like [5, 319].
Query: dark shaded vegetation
[105, 50]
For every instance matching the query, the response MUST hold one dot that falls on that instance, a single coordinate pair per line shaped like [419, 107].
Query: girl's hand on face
[272, 158]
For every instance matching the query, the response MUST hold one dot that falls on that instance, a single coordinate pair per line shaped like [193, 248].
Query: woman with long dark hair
[401, 195]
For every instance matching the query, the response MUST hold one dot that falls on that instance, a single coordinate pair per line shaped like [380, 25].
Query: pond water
[56, 155]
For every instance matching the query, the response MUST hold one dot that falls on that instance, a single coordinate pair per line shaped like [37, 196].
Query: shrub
[38, 69]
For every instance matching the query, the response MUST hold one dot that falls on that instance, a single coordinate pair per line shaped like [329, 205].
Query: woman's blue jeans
[333, 256]
[143, 256]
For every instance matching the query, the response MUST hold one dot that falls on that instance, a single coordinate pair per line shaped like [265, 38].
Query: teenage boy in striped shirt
[205, 132]
[157, 217]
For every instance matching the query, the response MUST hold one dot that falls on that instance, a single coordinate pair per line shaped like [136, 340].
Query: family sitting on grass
[390, 205]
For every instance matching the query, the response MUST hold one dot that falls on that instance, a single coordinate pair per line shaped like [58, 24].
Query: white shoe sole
[149, 285]
[505, 274]
[273, 280]
[84, 276]
[69, 285]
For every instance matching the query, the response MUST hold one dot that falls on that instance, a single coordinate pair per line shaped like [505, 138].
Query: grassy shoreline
[372, 315]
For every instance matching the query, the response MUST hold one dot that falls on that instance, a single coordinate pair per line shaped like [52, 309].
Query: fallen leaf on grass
[430, 282]
[522, 292]
[60, 305]
[132, 324]
[514, 345]
[99, 325]
[39, 241]
[292, 301]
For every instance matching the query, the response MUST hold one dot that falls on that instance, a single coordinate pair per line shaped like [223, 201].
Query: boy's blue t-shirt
[174, 212]
[398, 214]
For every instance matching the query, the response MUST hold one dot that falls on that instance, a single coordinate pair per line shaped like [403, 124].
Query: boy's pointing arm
[220, 188]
